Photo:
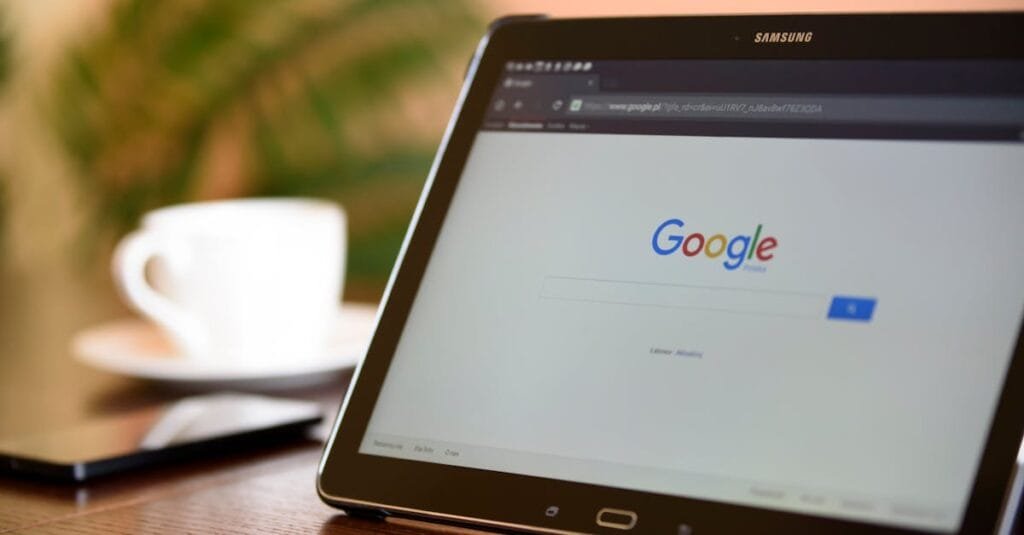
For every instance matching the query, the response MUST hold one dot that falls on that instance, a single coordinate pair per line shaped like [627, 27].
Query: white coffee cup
[254, 280]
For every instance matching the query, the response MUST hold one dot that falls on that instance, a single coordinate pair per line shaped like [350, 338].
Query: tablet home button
[616, 518]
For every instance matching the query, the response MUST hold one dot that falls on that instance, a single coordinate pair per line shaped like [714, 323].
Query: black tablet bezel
[383, 485]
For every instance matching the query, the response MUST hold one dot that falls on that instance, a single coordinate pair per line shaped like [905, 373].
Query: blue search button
[851, 308]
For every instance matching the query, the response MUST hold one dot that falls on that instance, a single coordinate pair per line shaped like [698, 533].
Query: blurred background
[113, 108]
[110, 108]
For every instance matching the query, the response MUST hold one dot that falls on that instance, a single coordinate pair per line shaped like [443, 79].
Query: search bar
[828, 108]
[709, 298]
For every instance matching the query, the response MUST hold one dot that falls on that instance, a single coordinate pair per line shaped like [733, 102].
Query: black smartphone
[189, 427]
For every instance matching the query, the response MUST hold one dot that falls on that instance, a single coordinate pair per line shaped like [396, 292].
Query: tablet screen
[787, 284]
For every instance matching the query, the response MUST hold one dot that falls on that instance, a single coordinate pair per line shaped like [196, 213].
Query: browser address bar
[862, 109]
[707, 298]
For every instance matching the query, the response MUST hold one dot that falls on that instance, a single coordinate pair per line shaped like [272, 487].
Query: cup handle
[132, 255]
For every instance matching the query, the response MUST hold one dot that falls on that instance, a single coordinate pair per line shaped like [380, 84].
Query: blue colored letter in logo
[675, 240]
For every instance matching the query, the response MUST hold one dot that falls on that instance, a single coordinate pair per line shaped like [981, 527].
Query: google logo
[667, 239]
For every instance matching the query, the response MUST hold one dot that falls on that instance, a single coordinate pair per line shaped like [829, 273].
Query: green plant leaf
[285, 86]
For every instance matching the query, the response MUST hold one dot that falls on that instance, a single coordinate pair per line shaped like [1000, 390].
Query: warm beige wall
[43, 211]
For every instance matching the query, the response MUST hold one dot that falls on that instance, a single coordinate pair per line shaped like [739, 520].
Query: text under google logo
[668, 239]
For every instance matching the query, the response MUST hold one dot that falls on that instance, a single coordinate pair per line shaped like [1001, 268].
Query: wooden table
[269, 490]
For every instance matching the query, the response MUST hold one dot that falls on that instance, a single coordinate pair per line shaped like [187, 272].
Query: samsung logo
[783, 37]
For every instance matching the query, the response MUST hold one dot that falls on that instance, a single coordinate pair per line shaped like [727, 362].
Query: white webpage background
[896, 408]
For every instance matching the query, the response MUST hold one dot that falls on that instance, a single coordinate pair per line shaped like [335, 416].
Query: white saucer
[136, 348]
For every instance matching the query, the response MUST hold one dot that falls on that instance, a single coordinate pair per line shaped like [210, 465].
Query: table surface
[42, 388]
[269, 490]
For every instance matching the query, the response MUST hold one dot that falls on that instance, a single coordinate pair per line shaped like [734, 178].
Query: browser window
[793, 285]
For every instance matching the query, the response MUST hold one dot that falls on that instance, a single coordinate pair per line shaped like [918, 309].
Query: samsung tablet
[709, 275]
